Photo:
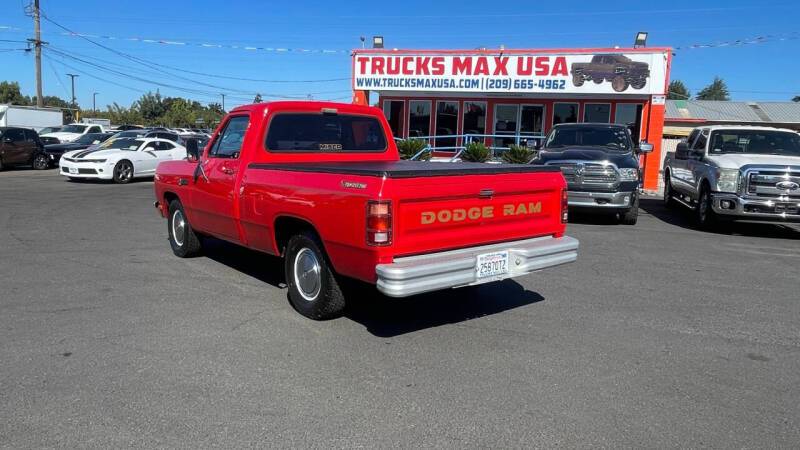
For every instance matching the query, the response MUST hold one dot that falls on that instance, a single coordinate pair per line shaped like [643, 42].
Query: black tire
[669, 199]
[313, 289]
[639, 84]
[184, 241]
[577, 80]
[40, 161]
[630, 216]
[705, 217]
[123, 172]
[619, 83]
[598, 80]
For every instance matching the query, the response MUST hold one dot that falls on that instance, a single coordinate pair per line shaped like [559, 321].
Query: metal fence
[463, 140]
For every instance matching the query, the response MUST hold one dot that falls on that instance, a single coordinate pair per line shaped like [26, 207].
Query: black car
[600, 164]
[54, 151]
[168, 135]
[21, 147]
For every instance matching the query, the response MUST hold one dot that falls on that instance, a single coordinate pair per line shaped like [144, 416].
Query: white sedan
[120, 159]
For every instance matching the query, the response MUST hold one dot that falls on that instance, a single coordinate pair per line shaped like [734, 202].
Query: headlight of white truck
[728, 180]
[628, 174]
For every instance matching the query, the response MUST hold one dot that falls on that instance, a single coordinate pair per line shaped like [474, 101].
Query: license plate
[73, 170]
[491, 266]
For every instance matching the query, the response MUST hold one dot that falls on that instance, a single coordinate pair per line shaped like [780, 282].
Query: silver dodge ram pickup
[736, 172]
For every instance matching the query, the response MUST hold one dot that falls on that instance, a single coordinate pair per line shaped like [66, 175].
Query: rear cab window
[324, 133]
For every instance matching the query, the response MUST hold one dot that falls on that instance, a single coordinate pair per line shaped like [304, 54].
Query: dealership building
[503, 96]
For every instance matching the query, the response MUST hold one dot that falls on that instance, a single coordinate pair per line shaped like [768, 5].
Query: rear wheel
[184, 241]
[639, 83]
[123, 172]
[313, 289]
[668, 194]
[598, 80]
[41, 161]
[577, 80]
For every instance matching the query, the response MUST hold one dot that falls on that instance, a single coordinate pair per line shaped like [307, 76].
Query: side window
[228, 143]
[94, 130]
[14, 135]
[163, 146]
[700, 143]
[692, 137]
[30, 135]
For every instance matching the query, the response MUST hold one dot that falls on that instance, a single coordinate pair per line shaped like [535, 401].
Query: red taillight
[379, 222]
[564, 206]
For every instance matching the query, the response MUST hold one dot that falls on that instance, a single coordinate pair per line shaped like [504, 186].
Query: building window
[419, 118]
[630, 114]
[393, 110]
[565, 113]
[597, 112]
[475, 119]
[518, 122]
[446, 124]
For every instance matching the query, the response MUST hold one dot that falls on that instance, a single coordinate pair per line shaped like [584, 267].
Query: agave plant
[476, 152]
[410, 147]
[517, 154]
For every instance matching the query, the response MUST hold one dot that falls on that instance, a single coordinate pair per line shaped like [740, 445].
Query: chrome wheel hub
[307, 274]
[178, 227]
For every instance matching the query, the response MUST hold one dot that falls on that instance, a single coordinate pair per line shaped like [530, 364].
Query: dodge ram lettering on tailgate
[321, 185]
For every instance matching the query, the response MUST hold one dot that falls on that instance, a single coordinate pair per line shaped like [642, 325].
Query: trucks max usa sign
[601, 73]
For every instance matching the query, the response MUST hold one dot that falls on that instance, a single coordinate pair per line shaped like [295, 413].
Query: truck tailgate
[438, 213]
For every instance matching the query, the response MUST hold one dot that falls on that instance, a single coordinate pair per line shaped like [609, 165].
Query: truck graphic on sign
[620, 70]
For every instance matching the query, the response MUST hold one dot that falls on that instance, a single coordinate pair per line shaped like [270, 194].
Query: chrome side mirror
[645, 147]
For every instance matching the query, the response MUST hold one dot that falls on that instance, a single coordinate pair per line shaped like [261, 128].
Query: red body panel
[242, 204]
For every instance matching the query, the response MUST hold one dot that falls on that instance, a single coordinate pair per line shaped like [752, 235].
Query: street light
[377, 41]
[641, 39]
[94, 103]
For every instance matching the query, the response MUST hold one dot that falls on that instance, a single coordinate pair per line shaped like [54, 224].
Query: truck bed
[404, 169]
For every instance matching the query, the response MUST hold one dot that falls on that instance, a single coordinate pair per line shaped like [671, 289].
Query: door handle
[227, 170]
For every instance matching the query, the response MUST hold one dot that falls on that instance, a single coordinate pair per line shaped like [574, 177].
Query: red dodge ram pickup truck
[322, 185]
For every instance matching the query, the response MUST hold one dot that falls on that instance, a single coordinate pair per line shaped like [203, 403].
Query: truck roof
[301, 105]
[745, 127]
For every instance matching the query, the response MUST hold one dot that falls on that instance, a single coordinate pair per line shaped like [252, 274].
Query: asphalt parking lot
[659, 336]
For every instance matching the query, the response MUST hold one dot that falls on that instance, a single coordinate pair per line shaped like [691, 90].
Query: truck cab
[601, 165]
[73, 131]
[736, 172]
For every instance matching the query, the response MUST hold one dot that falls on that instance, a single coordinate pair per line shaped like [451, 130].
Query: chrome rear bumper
[424, 273]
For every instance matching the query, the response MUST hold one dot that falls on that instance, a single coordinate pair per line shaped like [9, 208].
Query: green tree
[257, 98]
[11, 93]
[179, 114]
[678, 91]
[717, 90]
[151, 107]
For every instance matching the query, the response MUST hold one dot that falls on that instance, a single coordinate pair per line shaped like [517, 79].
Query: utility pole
[94, 102]
[223, 102]
[72, 77]
[37, 44]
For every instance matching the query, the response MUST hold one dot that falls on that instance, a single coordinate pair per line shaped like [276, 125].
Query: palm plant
[517, 154]
[410, 147]
[476, 152]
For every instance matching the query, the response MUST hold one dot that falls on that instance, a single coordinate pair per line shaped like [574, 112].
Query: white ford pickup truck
[736, 172]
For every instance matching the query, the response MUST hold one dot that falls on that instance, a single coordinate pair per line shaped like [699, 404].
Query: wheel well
[169, 197]
[286, 227]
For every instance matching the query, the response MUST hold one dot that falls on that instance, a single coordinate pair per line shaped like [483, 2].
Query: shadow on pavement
[681, 216]
[387, 317]
[380, 315]
[263, 267]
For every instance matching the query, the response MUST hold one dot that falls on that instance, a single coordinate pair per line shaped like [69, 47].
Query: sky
[122, 69]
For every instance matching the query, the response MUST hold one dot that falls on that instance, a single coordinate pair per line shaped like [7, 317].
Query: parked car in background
[21, 147]
[133, 133]
[69, 133]
[120, 160]
[47, 140]
[168, 135]
[129, 127]
[55, 151]
[48, 130]
[736, 172]
[601, 165]
[322, 185]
